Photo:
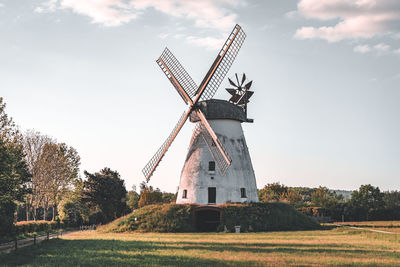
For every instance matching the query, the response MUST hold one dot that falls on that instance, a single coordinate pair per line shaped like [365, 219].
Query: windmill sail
[217, 149]
[177, 75]
[155, 160]
[218, 154]
[221, 65]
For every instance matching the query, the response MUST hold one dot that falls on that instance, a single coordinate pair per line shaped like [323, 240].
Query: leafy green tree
[149, 195]
[392, 205]
[168, 197]
[104, 192]
[367, 202]
[294, 198]
[72, 211]
[132, 199]
[33, 142]
[58, 168]
[272, 192]
[329, 202]
[14, 173]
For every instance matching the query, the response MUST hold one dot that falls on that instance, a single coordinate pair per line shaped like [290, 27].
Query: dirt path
[371, 230]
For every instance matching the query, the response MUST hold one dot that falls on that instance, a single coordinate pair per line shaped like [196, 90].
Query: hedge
[37, 226]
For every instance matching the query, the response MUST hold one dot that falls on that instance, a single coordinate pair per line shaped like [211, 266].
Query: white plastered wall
[196, 178]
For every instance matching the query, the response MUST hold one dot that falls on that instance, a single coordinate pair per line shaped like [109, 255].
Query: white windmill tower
[218, 138]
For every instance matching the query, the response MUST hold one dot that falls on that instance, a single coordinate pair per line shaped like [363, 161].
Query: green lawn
[329, 247]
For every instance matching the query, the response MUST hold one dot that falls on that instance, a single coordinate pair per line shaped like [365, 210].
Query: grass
[339, 246]
[389, 226]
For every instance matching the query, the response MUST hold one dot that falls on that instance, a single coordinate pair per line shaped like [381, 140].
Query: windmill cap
[216, 109]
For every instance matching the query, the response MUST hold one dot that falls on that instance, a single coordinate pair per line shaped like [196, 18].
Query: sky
[325, 74]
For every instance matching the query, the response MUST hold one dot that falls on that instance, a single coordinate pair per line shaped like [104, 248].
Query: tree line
[366, 203]
[40, 180]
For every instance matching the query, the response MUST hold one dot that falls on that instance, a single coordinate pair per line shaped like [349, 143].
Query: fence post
[34, 239]
[47, 235]
[16, 243]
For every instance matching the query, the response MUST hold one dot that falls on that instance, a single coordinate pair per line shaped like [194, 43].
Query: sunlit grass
[388, 226]
[330, 247]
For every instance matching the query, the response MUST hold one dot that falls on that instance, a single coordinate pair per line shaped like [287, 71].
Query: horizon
[325, 104]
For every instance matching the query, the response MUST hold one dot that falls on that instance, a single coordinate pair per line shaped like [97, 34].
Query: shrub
[37, 226]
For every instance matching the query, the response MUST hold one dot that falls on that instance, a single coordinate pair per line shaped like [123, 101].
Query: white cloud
[382, 47]
[48, 6]
[353, 19]
[362, 49]
[211, 14]
[207, 42]
[1, 5]
[106, 12]
[397, 51]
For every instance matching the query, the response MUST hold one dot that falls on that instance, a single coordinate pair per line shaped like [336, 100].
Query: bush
[37, 226]
[6, 217]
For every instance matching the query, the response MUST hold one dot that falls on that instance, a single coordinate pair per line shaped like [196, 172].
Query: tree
[366, 202]
[294, 198]
[272, 192]
[33, 142]
[54, 167]
[71, 209]
[14, 173]
[149, 195]
[105, 193]
[58, 168]
[168, 197]
[132, 199]
[328, 201]
[392, 205]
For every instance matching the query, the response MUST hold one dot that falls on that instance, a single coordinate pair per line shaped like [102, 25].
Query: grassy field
[338, 246]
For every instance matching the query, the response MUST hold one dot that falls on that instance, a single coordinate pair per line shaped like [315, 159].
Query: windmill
[206, 148]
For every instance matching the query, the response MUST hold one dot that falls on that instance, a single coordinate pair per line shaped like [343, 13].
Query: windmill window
[212, 195]
[243, 192]
[211, 166]
[184, 193]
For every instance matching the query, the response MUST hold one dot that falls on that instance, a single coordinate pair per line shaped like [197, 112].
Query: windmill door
[212, 195]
